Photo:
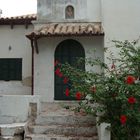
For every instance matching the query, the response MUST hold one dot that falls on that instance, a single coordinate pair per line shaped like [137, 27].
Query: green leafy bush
[113, 94]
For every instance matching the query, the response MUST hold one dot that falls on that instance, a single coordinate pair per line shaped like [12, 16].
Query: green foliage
[113, 94]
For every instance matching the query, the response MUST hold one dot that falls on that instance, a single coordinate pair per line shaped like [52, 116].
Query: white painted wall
[20, 48]
[54, 10]
[94, 10]
[44, 62]
[121, 21]
[15, 108]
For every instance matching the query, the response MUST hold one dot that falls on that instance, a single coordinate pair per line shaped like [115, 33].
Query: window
[10, 69]
[69, 12]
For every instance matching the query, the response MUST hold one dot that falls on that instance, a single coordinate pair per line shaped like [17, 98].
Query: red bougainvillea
[58, 72]
[112, 93]
[78, 95]
[67, 92]
[65, 80]
[130, 79]
[131, 100]
[123, 119]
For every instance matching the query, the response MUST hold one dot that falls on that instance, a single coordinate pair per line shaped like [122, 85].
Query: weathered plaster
[121, 21]
[20, 48]
[54, 10]
[15, 109]
[44, 62]
[27, 81]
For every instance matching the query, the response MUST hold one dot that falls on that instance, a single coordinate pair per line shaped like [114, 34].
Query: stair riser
[61, 138]
[55, 122]
[11, 138]
[65, 120]
[57, 106]
[67, 131]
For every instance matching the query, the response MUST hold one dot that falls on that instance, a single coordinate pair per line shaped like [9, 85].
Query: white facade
[44, 62]
[14, 44]
[120, 21]
[54, 10]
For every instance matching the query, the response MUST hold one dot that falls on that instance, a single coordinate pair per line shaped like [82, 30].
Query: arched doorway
[67, 51]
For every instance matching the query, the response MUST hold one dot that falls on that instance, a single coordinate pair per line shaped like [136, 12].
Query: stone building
[62, 30]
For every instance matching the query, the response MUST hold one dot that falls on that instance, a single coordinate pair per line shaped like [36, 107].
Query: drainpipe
[32, 45]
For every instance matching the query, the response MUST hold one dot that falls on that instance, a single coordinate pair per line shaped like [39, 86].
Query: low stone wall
[12, 131]
[15, 108]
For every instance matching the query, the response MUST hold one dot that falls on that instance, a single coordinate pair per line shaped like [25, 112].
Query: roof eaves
[18, 20]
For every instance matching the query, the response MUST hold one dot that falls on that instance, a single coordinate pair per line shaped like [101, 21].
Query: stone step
[58, 137]
[12, 129]
[11, 138]
[57, 106]
[64, 130]
[56, 119]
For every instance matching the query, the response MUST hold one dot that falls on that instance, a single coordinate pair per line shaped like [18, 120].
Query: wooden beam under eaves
[34, 44]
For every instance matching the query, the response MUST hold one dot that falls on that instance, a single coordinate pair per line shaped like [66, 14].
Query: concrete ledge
[15, 108]
[12, 129]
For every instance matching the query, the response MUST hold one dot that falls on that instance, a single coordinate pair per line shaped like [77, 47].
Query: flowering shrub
[113, 94]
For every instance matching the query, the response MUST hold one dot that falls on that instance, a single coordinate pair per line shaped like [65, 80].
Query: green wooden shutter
[10, 69]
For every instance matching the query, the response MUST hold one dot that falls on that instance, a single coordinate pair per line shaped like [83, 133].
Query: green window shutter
[10, 69]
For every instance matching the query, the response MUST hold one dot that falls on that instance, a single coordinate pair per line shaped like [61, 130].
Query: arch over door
[67, 51]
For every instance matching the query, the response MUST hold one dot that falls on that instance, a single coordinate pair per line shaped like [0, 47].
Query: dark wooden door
[67, 51]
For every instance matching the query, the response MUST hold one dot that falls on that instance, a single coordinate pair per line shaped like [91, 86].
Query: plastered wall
[19, 48]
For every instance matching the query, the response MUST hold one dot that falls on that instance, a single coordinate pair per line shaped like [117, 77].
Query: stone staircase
[57, 121]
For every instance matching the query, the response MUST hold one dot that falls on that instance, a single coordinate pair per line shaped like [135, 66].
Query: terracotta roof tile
[18, 19]
[29, 16]
[60, 29]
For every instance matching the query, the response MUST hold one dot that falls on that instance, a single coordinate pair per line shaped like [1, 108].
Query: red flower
[78, 95]
[58, 72]
[65, 81]
[67, 92]
[123, 119]
[130, 79]
[131, 100]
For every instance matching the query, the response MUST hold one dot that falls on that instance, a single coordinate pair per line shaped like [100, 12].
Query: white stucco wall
[94, 10]
[44, 62]
[15, 108]
[20, 48]
[54, 10]
[121, 21]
